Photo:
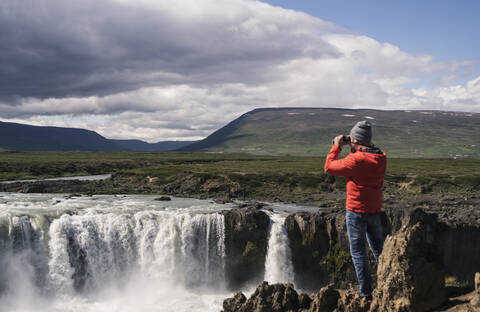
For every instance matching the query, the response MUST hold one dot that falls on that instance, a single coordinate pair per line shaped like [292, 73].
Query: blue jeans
[362, 227]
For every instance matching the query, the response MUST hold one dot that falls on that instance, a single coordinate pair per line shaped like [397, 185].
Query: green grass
[309, 132]
[290, 178]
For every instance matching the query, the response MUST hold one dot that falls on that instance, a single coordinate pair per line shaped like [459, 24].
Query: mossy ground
[286, 178]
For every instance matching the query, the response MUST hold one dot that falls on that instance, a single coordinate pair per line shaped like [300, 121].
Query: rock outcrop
[410, 275]
[320, 248]
[275, 298]
[246, 239]
[282, 298]
[324, 300]
[350, 301]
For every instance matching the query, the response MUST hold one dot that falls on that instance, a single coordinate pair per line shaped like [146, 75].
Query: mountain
[141, 146]
[20, 137]
[309, 131]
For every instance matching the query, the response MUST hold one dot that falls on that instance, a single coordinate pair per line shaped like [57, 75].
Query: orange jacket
[364, 171]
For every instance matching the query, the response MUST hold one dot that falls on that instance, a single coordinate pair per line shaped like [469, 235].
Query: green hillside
[309, 132]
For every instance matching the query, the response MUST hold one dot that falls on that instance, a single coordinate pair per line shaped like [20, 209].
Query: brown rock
[325, 300]
[410, 276]
[271, 298]
[350, 301]
[475, 302]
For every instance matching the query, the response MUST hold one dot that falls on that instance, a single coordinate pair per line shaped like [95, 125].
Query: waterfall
[203, 240]
[119, 253]
[92, 250]
[23, 256]
[85, 253]
[278, 263]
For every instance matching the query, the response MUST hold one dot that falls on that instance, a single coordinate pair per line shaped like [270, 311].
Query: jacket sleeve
[339, 167]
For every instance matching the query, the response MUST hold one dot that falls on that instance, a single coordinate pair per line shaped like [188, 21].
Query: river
[121, 253]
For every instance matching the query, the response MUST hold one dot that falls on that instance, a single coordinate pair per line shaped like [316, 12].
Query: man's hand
[338, 141]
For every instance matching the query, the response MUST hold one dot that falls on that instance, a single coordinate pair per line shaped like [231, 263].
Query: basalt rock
[460, 245]
[312, 238]
[410, 275]
[246, 239]
[283, 298]
[320, 249]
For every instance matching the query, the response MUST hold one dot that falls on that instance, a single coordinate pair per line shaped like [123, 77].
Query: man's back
[364, 170]
[364, 188]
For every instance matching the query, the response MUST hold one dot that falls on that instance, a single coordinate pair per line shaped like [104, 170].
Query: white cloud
[161, 70]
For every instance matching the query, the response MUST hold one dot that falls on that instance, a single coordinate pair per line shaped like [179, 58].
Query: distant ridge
[142, 146]
[282, 131]
[309, 132]
[21, 137]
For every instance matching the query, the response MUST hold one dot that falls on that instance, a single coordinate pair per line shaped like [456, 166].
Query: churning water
[119, 253]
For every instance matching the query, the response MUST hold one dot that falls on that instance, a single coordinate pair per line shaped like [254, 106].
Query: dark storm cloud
[57, 49]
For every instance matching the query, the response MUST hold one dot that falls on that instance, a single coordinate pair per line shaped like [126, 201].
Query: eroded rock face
[246, 239]
[460, 245]
[410, 274]
[320, 249]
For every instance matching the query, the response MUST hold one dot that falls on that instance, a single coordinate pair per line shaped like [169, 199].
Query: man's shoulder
[372, 150]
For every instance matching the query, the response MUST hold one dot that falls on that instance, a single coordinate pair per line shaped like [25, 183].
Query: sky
[161, 70]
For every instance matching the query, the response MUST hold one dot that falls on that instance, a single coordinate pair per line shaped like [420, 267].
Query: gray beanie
[362, 131]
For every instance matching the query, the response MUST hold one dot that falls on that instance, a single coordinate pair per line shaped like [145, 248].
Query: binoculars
[345, 138]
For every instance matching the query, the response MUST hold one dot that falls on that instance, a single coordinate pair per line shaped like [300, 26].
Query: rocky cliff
[320, 249]
[246, 238]
[410, 275]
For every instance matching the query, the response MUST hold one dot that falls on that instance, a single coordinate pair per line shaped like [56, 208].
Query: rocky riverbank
[410, 275]
[320, 249]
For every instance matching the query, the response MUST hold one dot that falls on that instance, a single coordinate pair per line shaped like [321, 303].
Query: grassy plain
[286, 178]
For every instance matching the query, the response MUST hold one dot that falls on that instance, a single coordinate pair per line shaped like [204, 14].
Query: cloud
[180, 69]
[96, 48]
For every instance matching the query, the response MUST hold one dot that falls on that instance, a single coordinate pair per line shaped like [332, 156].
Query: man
[364, 169]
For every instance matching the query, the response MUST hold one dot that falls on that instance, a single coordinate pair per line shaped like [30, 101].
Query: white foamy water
[110, 253]
[121, 253]
[278, 264]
